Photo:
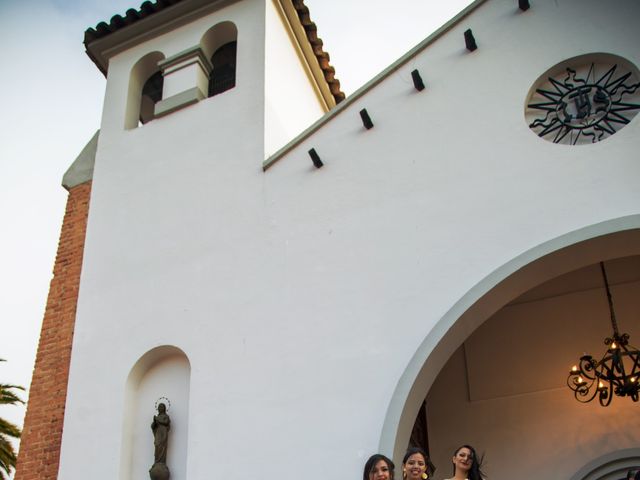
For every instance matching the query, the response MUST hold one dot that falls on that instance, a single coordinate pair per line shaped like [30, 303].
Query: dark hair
[373, 461]
[474, 472]
[412, 451]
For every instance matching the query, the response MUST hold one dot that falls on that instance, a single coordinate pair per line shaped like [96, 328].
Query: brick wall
[39, 454]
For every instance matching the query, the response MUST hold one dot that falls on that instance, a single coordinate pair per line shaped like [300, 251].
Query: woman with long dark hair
[378, 467]
[466, 464]
[416, 465]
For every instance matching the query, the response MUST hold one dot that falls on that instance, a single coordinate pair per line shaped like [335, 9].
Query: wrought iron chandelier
[617, 373]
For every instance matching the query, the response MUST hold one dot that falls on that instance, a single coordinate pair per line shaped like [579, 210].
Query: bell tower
[249, 61]
[198, 94]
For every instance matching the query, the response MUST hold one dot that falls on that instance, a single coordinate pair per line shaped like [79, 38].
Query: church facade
[304, 280]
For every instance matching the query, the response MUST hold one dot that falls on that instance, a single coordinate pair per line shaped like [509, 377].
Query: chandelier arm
[614, 323]
[588, 367]
[604, 373]
[581, 393]
[634, 356]
[605, 395]
[619, 357]
[607, 372]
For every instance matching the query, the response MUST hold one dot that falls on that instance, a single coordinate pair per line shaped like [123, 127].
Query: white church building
[306, 279]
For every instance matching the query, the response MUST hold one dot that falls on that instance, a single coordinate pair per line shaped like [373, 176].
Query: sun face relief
[584, 100]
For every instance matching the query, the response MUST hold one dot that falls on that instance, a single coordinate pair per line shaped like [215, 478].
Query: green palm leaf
[7, 397]
[7, 458]
[8, 430]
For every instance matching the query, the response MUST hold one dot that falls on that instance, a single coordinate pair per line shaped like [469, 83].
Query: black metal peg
[524, 5]
[366, 119]
[470, 41]
[417, 80]
[315, 158]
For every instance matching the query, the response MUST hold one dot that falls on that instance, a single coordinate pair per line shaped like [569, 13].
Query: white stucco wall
[144, 180]
[301, 295]
[291, 101]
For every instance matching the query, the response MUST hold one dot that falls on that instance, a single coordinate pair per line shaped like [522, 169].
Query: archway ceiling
[619, 271]
[534, 340]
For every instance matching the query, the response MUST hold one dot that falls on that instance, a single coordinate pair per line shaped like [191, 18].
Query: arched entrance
[575, 250]
[612, 466]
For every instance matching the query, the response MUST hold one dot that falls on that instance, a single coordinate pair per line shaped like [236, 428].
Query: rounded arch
[219, 45]
[603, 241]
[145, 76]
[614, 465]
[218, 35]
[162, 372]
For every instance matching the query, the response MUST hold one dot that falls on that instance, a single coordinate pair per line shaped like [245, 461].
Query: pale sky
[50, 103]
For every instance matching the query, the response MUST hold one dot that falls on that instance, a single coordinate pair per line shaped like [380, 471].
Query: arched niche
[219, 45]
[164, 371]
[572, 251]
[145, 90]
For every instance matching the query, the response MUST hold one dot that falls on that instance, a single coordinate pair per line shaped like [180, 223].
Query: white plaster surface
[291, 102]
[301, 296]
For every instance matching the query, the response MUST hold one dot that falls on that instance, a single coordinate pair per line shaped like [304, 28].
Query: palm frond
[9, 429]
[7, 396]
[7, 458]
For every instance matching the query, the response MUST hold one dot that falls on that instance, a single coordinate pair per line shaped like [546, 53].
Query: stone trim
[178, 101]
[81, 170]
[184, 59]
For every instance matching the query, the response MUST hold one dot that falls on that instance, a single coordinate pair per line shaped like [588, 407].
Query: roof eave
[107, 40]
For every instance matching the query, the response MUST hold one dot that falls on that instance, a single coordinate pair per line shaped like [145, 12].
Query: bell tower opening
[223, 74]
[151, 94]
[145, 90]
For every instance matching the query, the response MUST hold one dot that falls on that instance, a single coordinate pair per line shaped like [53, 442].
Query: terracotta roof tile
[117, 21]
[316, 44]
[132, 15]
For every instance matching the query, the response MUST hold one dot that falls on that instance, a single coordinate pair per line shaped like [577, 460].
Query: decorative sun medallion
[584, 100]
